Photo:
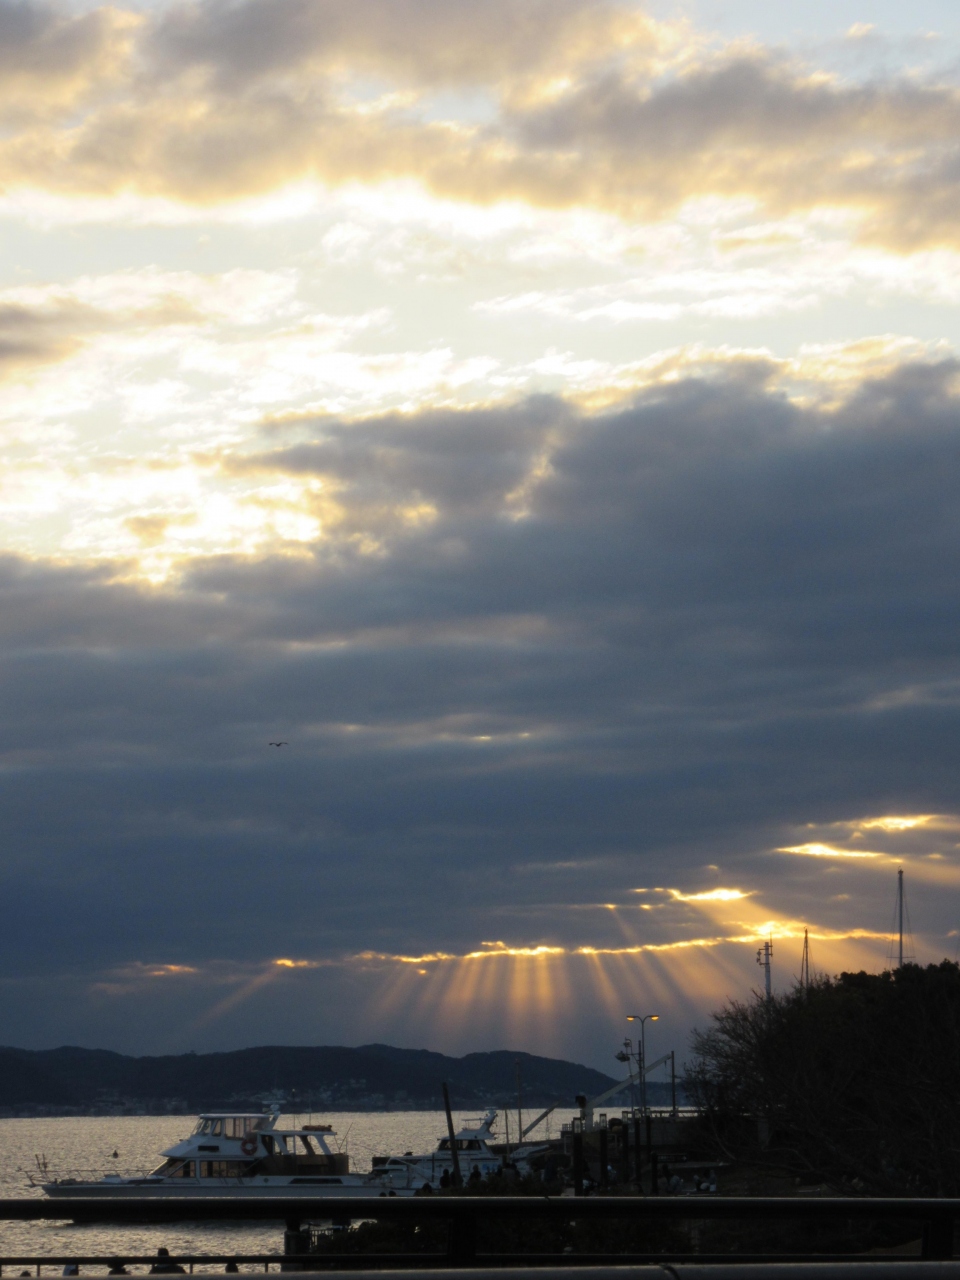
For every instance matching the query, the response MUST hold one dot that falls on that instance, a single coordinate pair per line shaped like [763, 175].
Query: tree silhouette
[854, 1080]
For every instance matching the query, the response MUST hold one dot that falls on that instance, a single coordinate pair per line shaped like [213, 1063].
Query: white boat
[238, 1154]
[476, 1157]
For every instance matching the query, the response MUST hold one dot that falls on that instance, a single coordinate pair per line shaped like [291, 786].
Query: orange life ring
[249, 1145]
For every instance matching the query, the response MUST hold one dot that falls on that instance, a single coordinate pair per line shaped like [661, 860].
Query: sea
[84, 1146]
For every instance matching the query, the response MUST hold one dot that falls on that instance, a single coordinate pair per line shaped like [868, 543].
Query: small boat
[475, 1155]
[237, 1154]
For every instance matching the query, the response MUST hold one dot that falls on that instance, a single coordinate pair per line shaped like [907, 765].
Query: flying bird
[278, 744]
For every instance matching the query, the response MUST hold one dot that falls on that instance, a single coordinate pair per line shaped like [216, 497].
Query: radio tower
[901, 940]
[764, 956]
[805, 963]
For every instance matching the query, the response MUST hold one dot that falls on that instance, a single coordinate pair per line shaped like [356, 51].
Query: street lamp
[626, 1055]
[642, 1055]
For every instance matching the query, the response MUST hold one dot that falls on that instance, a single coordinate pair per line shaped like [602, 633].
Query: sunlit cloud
[710, 895]
[764, 929]
[128, 979]
[817, 850]
[897, 824]
[602, 107]
[185, 478]
[914, 842]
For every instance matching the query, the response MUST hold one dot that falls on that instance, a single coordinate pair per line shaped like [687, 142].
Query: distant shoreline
[67, 1113]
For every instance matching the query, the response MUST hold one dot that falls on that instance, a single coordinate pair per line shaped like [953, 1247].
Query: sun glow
[526, 985]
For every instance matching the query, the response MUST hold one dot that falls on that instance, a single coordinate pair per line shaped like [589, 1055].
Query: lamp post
[642, 1055]
[627, 1055]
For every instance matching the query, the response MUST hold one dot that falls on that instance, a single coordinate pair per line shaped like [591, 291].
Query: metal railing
[188, 1260]
[464, 1214]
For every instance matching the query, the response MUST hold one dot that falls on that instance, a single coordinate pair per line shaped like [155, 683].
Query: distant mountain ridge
[371, 1077]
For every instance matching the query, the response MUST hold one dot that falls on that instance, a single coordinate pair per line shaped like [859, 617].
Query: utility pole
[805, 963]
[764, 956]
[900, 917]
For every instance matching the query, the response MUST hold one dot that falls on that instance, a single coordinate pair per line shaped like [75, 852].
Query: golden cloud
[817, 850]
[222, 102]
[893, 823]
[52, 63]
[711, 895]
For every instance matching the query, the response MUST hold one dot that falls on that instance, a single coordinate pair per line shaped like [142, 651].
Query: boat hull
[119, 1192]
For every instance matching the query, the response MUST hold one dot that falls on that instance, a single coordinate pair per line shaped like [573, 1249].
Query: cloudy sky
[543, 416]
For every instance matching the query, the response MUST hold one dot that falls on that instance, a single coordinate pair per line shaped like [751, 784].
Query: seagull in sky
[278, 744]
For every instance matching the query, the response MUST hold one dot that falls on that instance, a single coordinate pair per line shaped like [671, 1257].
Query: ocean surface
[83, 1146]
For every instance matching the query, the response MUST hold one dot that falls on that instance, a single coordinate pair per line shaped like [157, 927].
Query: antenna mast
[901, 949]
[805, 962]
[764, 956]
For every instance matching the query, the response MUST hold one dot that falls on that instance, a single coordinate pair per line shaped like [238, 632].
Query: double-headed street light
[642, 1054]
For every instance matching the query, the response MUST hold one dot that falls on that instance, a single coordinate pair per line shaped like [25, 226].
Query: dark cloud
[52, 61]
[32, 335]
[635, 642]
[432, 42]
[53, 328]
[43, 40]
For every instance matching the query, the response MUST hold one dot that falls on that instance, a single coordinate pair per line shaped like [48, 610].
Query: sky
[542, 417]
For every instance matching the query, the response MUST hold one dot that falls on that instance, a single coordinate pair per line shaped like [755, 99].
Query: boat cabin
[228, 1145]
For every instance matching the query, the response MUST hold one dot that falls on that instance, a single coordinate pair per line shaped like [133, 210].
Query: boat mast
[519, 1107]
[805, 962]
[900, 917]
[451, 1135]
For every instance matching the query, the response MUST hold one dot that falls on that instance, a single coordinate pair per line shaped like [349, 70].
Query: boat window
[444, 1144]
[217, 1129]
[186, 1170]
[237, 1126]
[203, 1126]
[221, 1168]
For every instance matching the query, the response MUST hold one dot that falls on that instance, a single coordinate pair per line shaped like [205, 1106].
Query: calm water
[84, 1146]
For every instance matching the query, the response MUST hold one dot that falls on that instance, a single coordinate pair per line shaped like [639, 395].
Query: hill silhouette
[370, 1077]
